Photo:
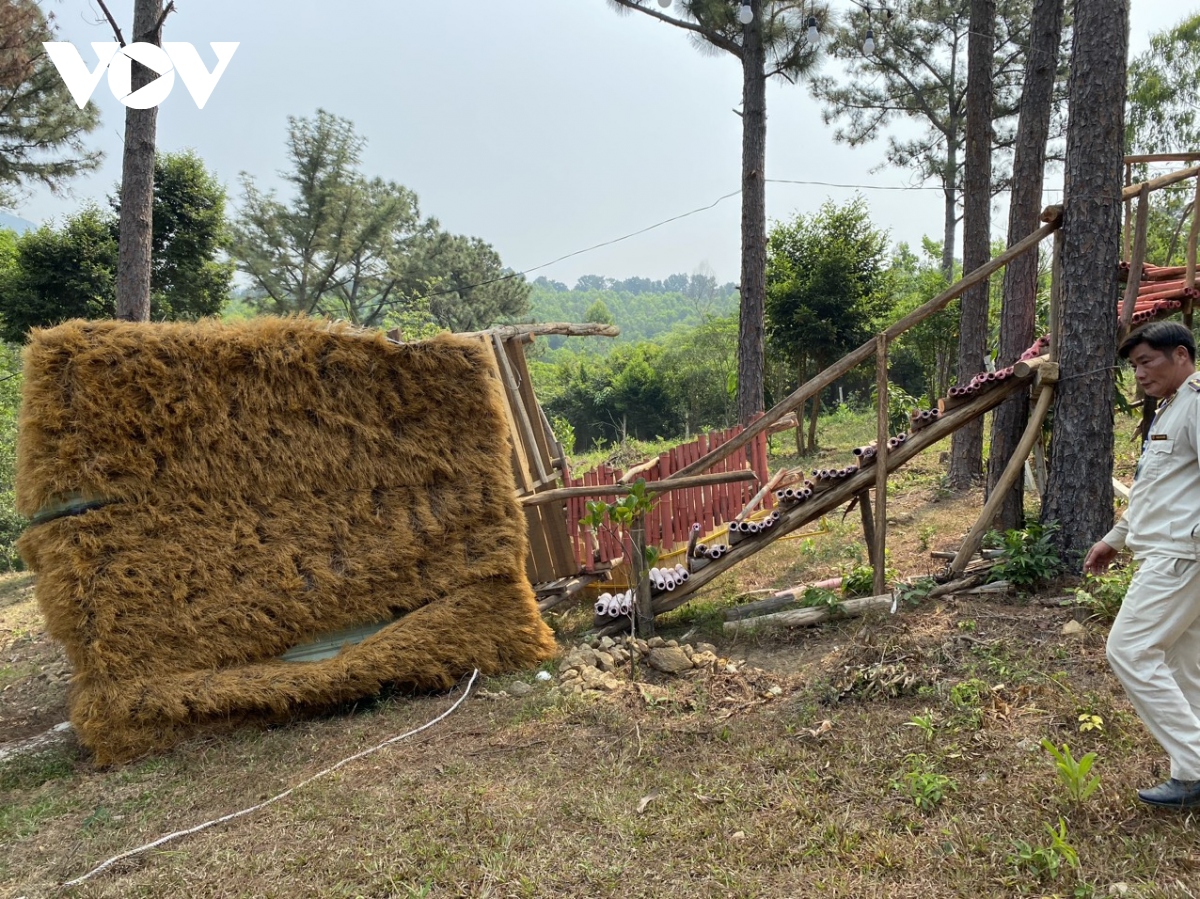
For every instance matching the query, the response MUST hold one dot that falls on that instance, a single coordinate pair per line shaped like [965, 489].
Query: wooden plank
[666, 506]
[807, 617]
[530, 452]
[1161, 181]
[1161, 157]
[542, 434]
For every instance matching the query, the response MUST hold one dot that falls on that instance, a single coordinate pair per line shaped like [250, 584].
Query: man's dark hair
[1164, 336]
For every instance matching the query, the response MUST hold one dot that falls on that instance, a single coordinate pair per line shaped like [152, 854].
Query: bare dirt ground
[885, 756]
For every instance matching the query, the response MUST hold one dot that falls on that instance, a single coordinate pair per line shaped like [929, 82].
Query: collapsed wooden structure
[1152, 293]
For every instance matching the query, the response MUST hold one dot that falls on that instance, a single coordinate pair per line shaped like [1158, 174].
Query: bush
[1030, 558]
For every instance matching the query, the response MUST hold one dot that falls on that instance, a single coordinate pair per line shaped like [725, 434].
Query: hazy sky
[542, 126]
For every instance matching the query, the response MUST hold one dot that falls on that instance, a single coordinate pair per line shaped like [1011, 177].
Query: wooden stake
[881, 460]
[1136, 260]
[1013, 470]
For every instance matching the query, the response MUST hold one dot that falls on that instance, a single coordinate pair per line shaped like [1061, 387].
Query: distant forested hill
[642, 308]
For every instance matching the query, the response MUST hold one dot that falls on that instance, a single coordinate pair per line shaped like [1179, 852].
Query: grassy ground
[888, 756]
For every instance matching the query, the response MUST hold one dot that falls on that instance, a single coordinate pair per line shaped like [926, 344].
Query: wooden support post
[1136, 260]
[1127, 232]
[1189, 279]
[1055, 296]
[868, 523]
[881, 451]
[644, 615]
[1013, 470]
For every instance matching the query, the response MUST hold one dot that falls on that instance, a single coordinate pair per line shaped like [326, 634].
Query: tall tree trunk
[950, 175]
[966, 447]
[812, 422]
[137, 179]
[1079, 494]
[801, 377]
[1018, 317]
[754, 220]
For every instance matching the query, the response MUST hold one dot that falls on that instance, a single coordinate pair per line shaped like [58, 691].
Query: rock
[731, 668]
[704, 659]
[1120, 888]
[674, 644]
[642, 647]
[669, 660]
[1073, 629]
[775, 690]
[656, 642]
[544, 675]
[520, 688]
[569, 674]
[610, 683]
[687, 649]
[737, 836]
[607, 643]
[620, 655]
[706, 647]
[605, 661]
[583, 657]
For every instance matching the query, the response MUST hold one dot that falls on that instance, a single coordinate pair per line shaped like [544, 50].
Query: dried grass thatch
[262, 484]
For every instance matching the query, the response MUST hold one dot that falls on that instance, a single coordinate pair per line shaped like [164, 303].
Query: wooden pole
[803, 617]
[1056, 296]
[1162, 181]
[856, 357]
[881, 454]
[644, 616]
[700, 480]
[1127, 231]
[1136, 260]
[1013, 470]
[868, 523]
[1193, 234]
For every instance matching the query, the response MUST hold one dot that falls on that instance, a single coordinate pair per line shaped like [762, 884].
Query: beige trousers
[1154, 649]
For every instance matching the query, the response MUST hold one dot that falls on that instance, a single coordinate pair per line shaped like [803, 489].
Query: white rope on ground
[284, 794]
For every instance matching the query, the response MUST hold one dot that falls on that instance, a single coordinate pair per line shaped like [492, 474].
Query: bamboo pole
[1162, 157]
[644, 615]
[522, 414]
[588, 329]
[1136, 260]
[856, 357]
[868, 524]
[702, 480]
[1013, 470]
[758, 497]
[881, 459]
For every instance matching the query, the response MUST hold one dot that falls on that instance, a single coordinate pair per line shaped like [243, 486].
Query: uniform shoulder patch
[1194, 382]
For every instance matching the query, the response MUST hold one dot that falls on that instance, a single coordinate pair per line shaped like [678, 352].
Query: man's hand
[1098, 559]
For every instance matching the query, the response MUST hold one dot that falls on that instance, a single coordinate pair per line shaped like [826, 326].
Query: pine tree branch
[713, 37]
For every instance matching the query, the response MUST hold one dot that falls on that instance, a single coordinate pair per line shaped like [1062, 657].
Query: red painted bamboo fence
[668, 524]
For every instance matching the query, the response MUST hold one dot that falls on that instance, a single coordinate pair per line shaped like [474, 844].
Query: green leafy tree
[357, 248]
[598, 313]
[771, 44]
[1164, 92]
[928, 347]
[41, 127]
[70, 271]
[826, 286]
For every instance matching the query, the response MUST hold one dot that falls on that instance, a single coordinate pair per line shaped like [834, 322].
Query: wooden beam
[1162, 157]
[532, 452]
[1161, 181]
[588, 329]
[654, 487]
[1013, 470]
[806, 617]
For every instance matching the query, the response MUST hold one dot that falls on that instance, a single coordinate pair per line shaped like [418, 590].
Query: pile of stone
[597, 664]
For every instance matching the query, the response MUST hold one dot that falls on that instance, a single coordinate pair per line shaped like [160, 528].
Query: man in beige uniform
[1154, 644]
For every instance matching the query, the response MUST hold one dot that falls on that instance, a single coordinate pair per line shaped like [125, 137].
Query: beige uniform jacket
[1163, 518]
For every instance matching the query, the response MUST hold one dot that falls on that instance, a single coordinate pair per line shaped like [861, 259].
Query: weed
[913, 592]
[29, 771]
[924, 723]
[925, 535]
[820, 598]
[1044, 863]
[1102, 595]
[926, 787]
[968, 695]
[860, 580]
[1030, 558]
[1088, 721]
[1073, 774]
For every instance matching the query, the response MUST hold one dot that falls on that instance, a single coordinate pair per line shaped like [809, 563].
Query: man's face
[1160, 372]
